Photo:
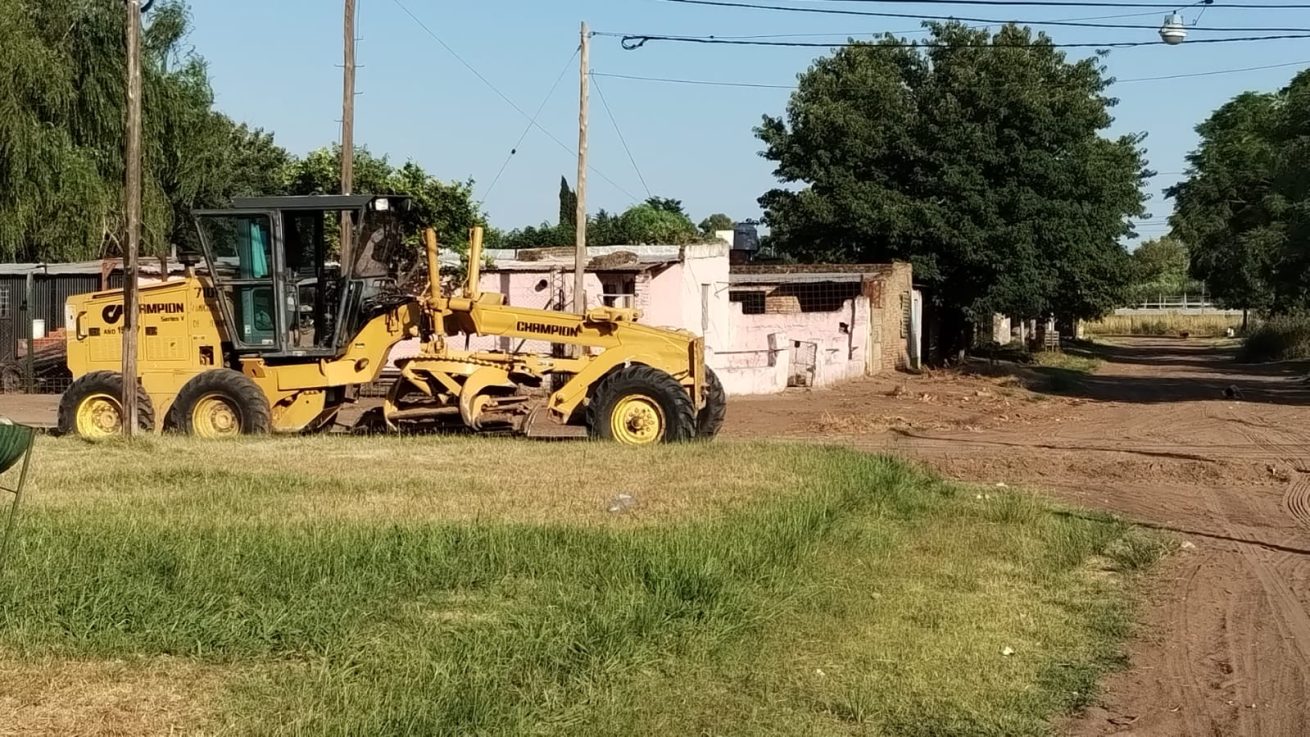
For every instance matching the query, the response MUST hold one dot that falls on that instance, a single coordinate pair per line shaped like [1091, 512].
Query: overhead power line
[1214, 72]
[705, 82]
[770, 86]
[636, 41]
[1037, 3]
[847, 34]
[527, 129]
[613, 121]
[988, 21]
[532, 121]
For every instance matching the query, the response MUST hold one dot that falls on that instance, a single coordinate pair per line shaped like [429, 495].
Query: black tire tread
[710, 418]
[101, 382]
[679, 412]
[256, 416]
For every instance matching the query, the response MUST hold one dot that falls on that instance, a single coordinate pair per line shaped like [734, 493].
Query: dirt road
[1152, 435]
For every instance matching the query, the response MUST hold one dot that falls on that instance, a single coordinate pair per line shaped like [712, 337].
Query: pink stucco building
[766, 327]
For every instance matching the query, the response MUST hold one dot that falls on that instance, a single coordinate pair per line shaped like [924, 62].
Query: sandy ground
[39, 410]
[1225, 648]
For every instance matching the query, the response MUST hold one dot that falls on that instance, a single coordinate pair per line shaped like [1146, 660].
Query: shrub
[1278, 339]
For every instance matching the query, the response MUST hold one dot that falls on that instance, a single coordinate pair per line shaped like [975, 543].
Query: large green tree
[62, 105]
[1161, 266]
[714, 223]
[979, 157]
[1233, 207]
[658, 220]
[445, 206]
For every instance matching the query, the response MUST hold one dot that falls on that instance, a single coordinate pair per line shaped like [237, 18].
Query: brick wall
[894, 304]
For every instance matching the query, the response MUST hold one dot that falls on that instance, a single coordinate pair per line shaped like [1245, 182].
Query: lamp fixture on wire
[1174, 29]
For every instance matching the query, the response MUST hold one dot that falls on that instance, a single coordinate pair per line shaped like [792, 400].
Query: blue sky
[276, 64]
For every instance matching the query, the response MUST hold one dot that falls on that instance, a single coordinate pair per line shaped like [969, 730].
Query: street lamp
[1173, 32]
[1174, 29]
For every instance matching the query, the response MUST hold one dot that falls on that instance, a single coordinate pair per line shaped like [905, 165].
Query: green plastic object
[15, 447]
[14, 443]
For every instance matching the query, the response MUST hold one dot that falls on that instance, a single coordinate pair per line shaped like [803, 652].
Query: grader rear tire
[221, 403]
[640, 405]
[92, 407]
[710, 418]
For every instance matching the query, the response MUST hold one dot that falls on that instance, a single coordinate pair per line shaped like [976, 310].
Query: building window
[4, 302]
[751, 301]
[619, 291]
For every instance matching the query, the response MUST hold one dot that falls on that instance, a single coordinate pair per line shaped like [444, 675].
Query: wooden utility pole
[348, 130]
[580, 232]
[132, 215]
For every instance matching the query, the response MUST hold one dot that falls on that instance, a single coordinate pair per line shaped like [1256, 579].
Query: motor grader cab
[268, 332]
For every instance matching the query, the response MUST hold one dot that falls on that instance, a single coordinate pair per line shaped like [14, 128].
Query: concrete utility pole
[580, 234]
[132, 215]
[348, 130]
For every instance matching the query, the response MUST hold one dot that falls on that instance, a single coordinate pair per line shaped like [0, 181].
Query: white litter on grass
[1002, 485]
[622, 503]
[1007, 651]
[1188, 545]
[819, 672]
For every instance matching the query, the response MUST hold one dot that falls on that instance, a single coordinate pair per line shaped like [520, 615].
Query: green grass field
[404, 586]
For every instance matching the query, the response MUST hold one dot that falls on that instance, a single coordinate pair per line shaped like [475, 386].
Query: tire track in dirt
[1193, 706]
[1250, 645]
[1297, 501]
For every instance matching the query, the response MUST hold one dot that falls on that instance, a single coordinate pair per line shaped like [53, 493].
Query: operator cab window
[241, 260]
[311, 281]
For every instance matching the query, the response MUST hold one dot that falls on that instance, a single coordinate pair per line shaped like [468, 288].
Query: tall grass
[1280, 338]
[399, 623]
[1211, 326]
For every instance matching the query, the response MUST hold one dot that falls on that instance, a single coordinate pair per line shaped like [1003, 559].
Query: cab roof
[313, 202]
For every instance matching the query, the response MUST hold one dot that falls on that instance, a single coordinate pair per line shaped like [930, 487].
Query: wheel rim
[215, 417]
[637, 420]
[99, 416]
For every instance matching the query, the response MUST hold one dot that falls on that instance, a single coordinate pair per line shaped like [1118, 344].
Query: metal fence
[32, 347]
[1174, 302]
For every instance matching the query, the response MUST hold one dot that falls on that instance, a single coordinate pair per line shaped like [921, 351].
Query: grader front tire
[640, 405]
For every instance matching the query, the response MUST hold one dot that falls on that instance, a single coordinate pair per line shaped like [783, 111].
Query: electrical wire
[922, 30]
[528, 128]
[706, 82]
[1212, 73]
[605, 104]
[636, 41]
[986, 21]
[767, 86]
[419, 22]
[1056, 4]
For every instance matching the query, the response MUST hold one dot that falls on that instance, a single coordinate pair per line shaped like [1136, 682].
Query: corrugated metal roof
[80, 267]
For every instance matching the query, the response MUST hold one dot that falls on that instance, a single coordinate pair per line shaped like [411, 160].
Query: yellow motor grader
[265, 333]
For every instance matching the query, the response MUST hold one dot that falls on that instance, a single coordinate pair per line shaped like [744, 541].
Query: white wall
[768, 374]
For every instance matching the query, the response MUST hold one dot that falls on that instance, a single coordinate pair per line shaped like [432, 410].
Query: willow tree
[62, 103]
